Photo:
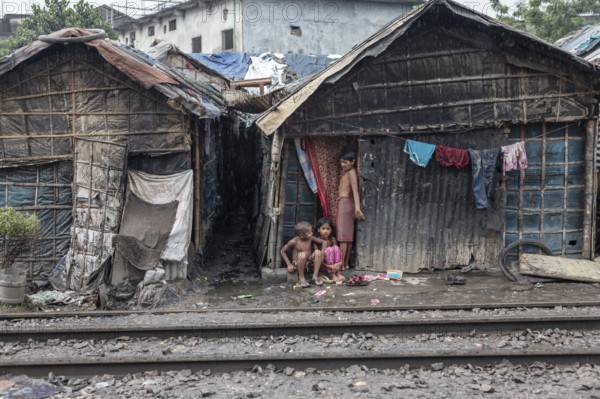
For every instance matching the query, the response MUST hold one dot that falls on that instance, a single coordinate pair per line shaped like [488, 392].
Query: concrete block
[274, 276]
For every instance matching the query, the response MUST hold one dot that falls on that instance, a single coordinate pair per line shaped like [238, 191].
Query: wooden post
[198, 185]
[274, 173]
[589, 197]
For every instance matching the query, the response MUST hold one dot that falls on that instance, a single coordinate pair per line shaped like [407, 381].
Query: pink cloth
[332, 255]
[514, 157]
[345, 220]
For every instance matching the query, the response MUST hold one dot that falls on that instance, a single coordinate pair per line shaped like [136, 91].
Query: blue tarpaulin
[229, 64]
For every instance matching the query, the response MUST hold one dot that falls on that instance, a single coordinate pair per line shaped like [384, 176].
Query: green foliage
[547, 19]
[54, 15]
[18, 231]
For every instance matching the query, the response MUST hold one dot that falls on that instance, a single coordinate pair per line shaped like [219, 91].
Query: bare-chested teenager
[301, 245]
[348, 205]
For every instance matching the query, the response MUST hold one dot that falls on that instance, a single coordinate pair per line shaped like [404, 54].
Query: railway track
[337, 324]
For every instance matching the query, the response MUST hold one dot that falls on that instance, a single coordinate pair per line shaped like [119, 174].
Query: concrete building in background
[9, 24]
[299, 26]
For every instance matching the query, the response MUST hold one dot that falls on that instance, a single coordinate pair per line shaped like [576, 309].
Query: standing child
[332, 255]
[348, 205]
[302, 245]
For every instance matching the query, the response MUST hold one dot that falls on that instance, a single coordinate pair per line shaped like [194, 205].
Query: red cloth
[324, 155]
[448, 156]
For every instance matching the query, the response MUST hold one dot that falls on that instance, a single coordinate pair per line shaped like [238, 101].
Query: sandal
[318, 281]
[327, 280]
[356, 281]
[304, 285]
[454, 280]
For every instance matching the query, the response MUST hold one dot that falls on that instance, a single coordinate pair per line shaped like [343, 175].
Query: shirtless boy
[301, 245]
[348, 205]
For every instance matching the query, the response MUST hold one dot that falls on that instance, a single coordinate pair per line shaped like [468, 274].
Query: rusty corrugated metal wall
[425, 218]
[454, 85]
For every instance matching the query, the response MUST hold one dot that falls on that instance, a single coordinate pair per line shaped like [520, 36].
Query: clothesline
[374, 131]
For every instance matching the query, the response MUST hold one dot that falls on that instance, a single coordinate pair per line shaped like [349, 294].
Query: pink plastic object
[332, 255]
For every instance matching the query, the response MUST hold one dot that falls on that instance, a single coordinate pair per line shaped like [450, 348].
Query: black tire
[509, 247]
[96, 34]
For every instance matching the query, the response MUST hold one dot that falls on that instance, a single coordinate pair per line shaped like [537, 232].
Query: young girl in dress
[332, 256]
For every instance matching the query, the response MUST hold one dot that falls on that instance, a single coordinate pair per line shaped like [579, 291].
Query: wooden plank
[559, 267]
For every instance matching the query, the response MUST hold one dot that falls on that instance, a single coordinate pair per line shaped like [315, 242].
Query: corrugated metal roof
[381, 40]
[585, 43]
[181, 91]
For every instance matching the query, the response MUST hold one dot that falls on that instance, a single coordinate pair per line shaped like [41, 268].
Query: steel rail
[251, 328]
[378, 308]
[123, 365]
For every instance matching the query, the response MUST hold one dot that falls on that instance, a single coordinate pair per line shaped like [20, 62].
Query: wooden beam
[559, 267]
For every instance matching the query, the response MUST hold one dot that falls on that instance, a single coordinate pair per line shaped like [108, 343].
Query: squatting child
[332, 256]
[302, 245]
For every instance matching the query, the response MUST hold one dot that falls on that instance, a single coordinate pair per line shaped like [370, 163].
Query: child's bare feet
[318, 280]
[303, 284]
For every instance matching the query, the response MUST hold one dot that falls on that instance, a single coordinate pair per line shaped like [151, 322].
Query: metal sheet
[424, 218]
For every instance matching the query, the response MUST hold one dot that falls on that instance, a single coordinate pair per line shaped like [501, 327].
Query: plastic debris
[374, 301]
[245, 296]
[320, 293]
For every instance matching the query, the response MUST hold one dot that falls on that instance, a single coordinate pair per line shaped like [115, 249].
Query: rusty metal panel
[546, 201]
[424, 218]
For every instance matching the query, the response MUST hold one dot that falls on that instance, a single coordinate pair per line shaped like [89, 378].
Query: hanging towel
[305, 164]
[447, 156]
[514, 157]
[420, 153]
[483, 165]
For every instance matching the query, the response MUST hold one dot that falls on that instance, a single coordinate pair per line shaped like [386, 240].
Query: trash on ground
[394, 274]
[245, 296]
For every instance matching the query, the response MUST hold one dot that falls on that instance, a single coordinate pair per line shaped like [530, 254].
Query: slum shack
[111, 150]
[441, 76]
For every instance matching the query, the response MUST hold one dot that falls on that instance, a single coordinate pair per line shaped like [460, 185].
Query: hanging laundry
[305, 164]
[420, 153]
[483, 165]
[514, 157]
[448, 156]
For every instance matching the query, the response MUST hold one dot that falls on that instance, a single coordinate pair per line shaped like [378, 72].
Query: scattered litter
[244, 296]
[371, 277]
[374, 301]
[320, 293]
[539, 285]
[394, 274]
[453, 279]
[55, 298]
[348, 294]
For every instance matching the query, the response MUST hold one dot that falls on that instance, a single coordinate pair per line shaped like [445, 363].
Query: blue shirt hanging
[420, 153]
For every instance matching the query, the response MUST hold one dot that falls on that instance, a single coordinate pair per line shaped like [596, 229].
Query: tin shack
[84, 123]
[448, 76]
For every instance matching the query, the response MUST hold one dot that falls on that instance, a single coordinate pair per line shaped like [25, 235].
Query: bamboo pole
[274, 171]
[197, 185]
[590, 149]
[412, 108]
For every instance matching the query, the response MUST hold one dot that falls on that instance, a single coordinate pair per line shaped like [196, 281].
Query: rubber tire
[509, 247]
[96, 34]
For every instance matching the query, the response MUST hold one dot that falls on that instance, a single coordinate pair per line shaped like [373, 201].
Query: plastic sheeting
[163, 189]
[229, 64]
[44, 190]
[98, 201]
[302, 65]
